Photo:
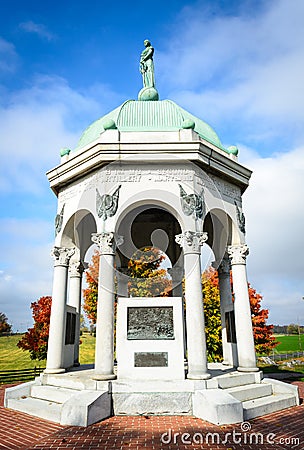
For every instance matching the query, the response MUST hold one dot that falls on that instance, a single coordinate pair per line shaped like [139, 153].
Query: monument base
[75, 398]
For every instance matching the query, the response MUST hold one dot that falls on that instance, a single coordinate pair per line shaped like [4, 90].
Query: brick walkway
[277, 431]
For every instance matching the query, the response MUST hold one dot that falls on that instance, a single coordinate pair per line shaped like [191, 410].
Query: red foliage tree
[5, 327]
[264, 340]
[35, 339]
[90, 294]
[263, 334]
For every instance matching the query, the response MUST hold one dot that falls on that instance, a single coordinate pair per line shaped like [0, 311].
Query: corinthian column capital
[191, 241]
[107, 242]
[62, 255]
[238, 253]
[77, 268]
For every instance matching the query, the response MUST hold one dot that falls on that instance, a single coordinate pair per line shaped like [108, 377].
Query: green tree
[35, 339]
[293, 328]
[5, 327]
[213, 327]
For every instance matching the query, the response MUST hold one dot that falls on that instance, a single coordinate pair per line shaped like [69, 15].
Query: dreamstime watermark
[243, 436]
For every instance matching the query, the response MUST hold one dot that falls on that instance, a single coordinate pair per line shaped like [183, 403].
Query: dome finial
[146, 67]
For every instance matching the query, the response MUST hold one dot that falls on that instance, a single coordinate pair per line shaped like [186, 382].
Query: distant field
[11, 357]
[289, 343]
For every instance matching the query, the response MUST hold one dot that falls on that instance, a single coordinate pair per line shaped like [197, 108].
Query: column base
[102, 377]
[54, 371]
[198, 376]
[226, 363]
[248, 369]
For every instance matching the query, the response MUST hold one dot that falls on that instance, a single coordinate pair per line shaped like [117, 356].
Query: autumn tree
[90, 294]
[147, 278]
[5, 327]
[35, 339]
[213, 327]
[263, 334]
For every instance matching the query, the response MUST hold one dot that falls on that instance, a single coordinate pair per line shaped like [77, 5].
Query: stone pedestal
[191, 243]
[243, 322]
[57, 322]
[149, 338]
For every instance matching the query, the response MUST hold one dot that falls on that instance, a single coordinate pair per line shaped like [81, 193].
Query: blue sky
[236, 64]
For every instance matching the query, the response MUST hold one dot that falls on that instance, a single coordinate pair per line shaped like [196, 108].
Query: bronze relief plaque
[150, 322]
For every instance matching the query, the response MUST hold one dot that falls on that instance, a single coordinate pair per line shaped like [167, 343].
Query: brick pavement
[21, 431]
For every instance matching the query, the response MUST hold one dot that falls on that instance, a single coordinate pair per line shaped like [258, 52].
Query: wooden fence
[13, 376]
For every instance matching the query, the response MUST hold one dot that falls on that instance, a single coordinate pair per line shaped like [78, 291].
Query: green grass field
[11, 357]
[289, 343]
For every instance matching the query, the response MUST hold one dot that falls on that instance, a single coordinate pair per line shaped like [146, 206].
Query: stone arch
[149, 225]
[78, 230]
[222, 231]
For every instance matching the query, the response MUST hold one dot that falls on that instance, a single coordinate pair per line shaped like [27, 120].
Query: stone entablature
[160, 147]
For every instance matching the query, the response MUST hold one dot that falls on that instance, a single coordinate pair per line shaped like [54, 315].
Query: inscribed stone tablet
[150, 359]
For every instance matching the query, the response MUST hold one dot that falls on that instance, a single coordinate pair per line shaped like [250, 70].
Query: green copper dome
[163, 115]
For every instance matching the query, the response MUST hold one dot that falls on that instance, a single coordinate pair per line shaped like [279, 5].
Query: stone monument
[149, 173]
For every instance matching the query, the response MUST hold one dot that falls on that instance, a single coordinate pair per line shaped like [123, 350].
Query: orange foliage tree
[147, 279]
[35, 339]
[90, 294]
[263, 334]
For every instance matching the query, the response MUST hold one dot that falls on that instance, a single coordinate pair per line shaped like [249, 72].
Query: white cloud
[27, 267]
[242, 70]
[38, 29]
[34, 124]
[274, 211]
[8, 57]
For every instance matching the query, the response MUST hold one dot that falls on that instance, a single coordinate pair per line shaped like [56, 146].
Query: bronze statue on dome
[146, 65]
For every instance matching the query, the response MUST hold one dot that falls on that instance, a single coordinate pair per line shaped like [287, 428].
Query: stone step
[52, 393]
[250, 391]
[266, 405]
[236, 379]
[36, 407]
[70, 380]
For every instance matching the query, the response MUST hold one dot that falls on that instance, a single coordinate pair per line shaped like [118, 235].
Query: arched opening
[221, 232]
[148, 227]
[78, 231]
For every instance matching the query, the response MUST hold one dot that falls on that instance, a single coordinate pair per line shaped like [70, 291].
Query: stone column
[122, 276]
[243, 322]
[104, 350]
[55, 354]
[191, 243]
[76, 270]
[226, 305]
[176, 274]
